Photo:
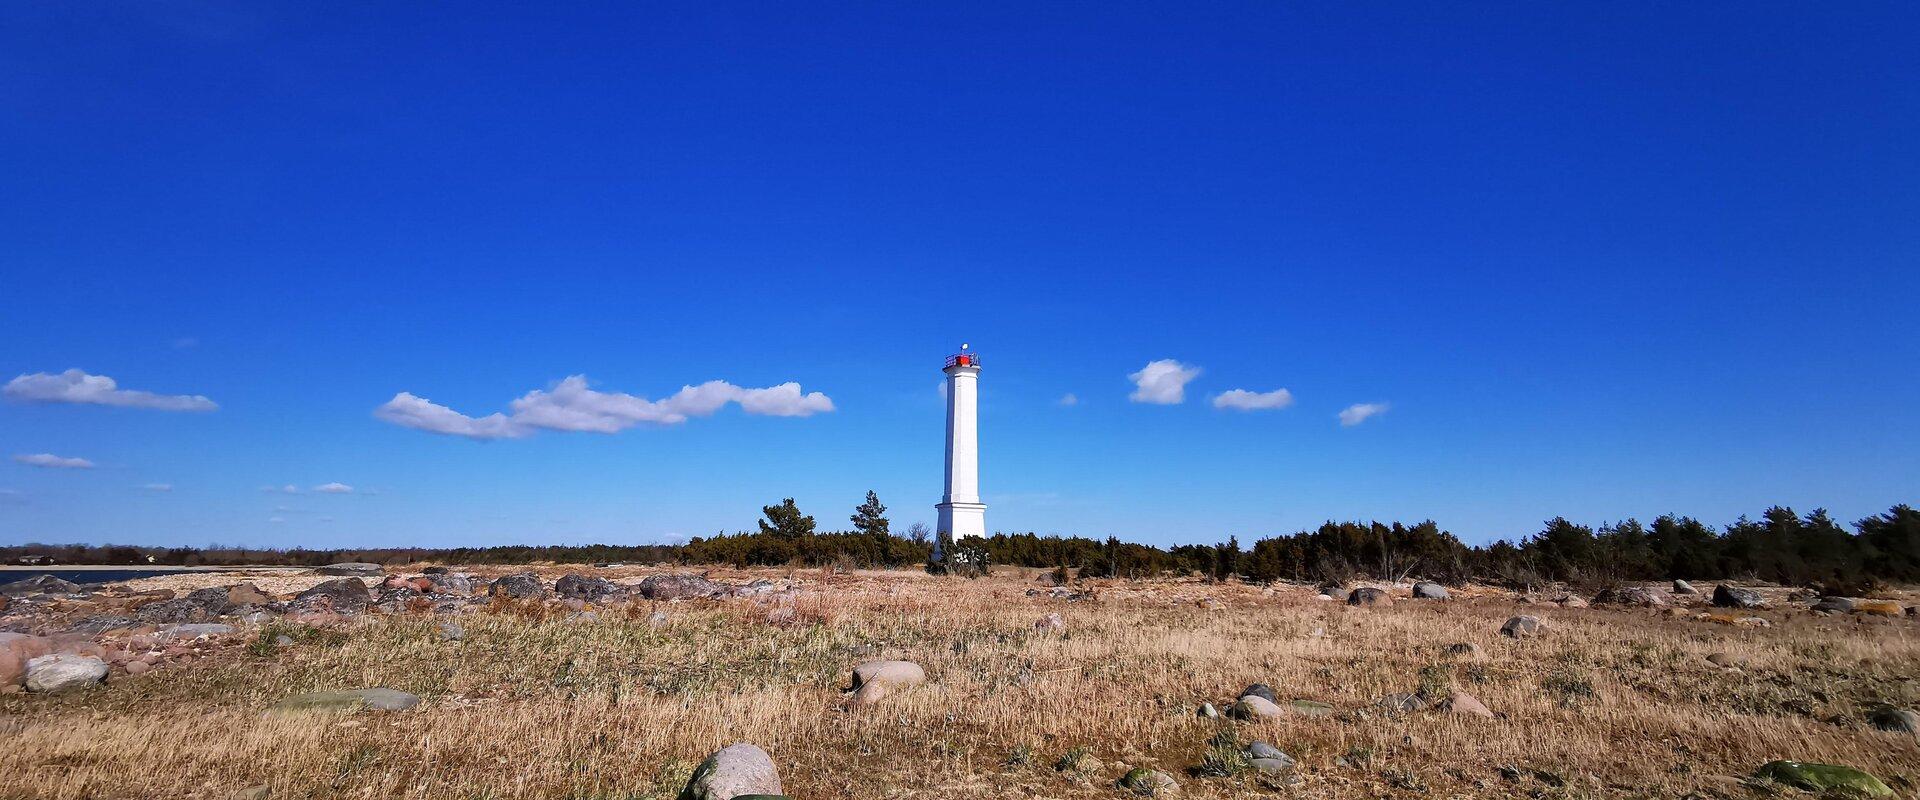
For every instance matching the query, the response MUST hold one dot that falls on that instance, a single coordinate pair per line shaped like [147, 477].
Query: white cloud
[942, 388]
[1069, 399]
[1359, 412]
[276, 520]
[287, 489]
[158, 487]
[52, 461]
[1243, 400]
[572, 405]
[1162, 382]
[334, 488]
[75, 386]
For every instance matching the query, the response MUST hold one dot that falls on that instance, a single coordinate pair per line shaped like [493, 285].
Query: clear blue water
[87, 575]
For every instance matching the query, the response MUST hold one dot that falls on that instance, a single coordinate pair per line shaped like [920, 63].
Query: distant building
[34, 561]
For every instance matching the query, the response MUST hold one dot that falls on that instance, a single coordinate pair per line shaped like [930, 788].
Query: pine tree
[785, 521]
[870, 517]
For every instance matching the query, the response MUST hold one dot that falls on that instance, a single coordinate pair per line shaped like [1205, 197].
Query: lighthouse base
[960, 520]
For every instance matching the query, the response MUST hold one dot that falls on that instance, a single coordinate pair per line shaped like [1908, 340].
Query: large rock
[337, 596]
[357, 569]
[1726, 596]
[892, 674]
[1149, 782]
[1428, 590]
[445, 582]
[737, 770]
[247, 594]
[588, 588]
[39, 584]
[1369, 596]
[199, 606]
[1834, 605]
[679, 587]
[1823, 778]
[520, 585]
[347, 702]
[1640, 596]
[64, 671]
[1523, 626]
[1897, 720]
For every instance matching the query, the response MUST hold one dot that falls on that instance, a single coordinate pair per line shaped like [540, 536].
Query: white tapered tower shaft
[961, 512]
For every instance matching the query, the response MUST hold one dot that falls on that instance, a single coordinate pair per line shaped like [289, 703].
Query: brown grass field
[532, 704]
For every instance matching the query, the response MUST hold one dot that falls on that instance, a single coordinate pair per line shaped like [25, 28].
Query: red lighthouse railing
[964, 360]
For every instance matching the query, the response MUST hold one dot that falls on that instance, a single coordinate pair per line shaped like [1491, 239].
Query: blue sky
[1605, 262]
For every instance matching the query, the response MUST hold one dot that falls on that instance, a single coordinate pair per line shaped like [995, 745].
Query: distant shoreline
[125, 567]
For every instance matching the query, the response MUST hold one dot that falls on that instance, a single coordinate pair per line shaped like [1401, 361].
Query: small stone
[138, 667]
[62, 672]
[1207, 711]
[1834, 605]
[1725, 660]
[1402, 702]
[1427, 590]
[1523, 626]
[1460, 702]
[1683, 587]
[735, 771]
[1254, 706]
[1465, 650]
[1572, 601]
[452, 632]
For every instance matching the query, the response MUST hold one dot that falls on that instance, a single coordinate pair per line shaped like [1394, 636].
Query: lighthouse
[961, 512]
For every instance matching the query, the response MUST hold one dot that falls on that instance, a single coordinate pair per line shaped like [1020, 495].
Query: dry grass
[532, 705]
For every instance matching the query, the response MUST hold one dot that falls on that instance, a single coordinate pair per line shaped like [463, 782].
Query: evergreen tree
[785, 521]
[870, 518]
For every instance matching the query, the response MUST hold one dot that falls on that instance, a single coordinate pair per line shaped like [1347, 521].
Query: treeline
[1781, 546]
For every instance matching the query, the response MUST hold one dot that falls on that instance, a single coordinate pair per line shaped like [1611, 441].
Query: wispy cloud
[287, 489]
[1243, 400]
[1162, 382]
[1361, 412]
[51, 461]
[75, 386]
[333, 488]
[572, 405]
[158, 487]
[276, 520]
[1069, 399]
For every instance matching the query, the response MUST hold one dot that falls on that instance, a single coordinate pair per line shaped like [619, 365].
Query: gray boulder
[1726, 596]
[1427, 590]
[357, 569]
[520, 585]
[1897, 720]
[588, 588]
[64, 671]
[1269, 759]
[1260, 690]
[679, 587]
[1523, 626]
[1834, 605]
[737, 770]
[1683, 587]
[337, 596]
[1369, 596]
[1630, 596]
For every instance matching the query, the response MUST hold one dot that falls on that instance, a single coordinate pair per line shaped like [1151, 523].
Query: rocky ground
[621, 682]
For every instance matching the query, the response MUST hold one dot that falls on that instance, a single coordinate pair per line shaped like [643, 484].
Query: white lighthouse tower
[961, 512]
